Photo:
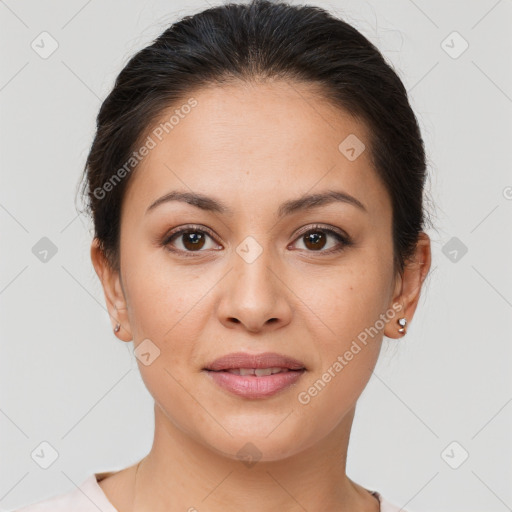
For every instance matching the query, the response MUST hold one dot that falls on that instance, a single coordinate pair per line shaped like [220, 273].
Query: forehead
[256, 144]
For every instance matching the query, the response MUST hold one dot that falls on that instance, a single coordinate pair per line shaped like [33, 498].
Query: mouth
[255, 376]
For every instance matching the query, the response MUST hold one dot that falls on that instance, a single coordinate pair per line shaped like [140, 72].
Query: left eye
[315, 240]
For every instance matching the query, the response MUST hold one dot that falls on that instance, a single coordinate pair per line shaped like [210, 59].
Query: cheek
[347, 346]
[161, 294]
[343, 318]
[164, 310]
[341, 304]
[167, 307]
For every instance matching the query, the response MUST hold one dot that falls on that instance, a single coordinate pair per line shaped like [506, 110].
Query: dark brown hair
[244, 42]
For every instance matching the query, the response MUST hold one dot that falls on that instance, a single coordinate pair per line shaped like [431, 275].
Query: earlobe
[114, 296]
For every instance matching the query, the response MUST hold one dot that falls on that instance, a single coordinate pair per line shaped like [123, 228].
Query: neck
[181, 473]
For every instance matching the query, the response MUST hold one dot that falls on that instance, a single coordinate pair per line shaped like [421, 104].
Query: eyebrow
[287, 208]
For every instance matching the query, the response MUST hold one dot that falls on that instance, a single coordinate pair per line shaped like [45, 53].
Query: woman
[256, 186]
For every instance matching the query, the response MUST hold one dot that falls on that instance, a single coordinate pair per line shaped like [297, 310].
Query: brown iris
[194, 238]
[314, 240]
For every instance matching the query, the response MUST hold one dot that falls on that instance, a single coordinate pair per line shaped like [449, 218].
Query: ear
[408, 286]
[114, 294]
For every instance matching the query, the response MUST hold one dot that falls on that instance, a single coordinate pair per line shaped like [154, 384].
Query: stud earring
[117, 327]
[402, 322]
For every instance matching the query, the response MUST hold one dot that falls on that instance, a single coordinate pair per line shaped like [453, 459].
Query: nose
[254, 297]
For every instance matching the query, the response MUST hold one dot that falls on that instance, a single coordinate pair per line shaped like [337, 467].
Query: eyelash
[344, 240]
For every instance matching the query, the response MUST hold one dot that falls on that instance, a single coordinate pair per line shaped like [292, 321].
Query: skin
[254, 147]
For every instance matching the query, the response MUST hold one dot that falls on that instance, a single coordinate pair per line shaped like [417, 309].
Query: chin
[256, 445]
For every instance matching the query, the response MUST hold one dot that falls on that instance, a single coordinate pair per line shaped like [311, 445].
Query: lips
[255, 376]
[267, 360]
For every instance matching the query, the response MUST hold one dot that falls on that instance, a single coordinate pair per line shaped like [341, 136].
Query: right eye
[191, 238]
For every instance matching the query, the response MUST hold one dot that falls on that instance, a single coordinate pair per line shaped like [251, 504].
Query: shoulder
[88, 497]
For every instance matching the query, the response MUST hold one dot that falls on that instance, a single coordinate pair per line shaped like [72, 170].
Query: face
[304, 282]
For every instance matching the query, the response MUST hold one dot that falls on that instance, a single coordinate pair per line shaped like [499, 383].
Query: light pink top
[89, 497]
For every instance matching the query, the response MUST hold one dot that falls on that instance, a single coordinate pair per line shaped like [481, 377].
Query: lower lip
[250, 386]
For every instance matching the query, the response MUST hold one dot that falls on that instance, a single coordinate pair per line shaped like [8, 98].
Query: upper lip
[264, 360]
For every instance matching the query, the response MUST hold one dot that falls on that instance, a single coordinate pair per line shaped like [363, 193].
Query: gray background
[66, 379]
